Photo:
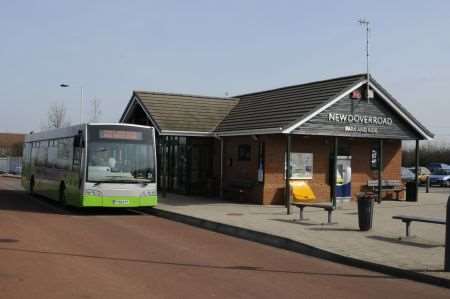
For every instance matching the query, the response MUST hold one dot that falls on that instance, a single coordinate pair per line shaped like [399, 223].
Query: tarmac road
[47, 252]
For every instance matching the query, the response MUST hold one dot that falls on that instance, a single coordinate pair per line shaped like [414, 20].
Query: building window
[301, 166]
[244, 152]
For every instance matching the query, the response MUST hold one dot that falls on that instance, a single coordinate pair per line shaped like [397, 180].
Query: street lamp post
[81, 100]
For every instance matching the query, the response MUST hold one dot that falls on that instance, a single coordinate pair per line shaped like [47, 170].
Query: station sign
[370, 123]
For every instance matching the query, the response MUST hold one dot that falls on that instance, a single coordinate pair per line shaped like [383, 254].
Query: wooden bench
[408, 219]
[386, 186]
[326, 206]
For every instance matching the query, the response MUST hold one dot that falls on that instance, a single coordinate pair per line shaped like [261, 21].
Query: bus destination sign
[120, 134]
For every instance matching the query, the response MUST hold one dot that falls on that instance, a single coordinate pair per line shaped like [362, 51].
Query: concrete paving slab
[383, 245]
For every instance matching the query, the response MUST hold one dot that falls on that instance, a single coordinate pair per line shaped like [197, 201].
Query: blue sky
[215, 47]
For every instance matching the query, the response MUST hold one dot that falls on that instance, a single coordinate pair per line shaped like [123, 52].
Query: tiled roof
[278, 108]
[270, 111]
[178, 112]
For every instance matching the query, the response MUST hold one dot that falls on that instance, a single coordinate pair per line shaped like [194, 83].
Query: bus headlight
[147, 193]
[93, 192]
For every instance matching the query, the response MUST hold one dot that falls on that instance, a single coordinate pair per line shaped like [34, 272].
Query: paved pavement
[382, 245]
[47, 252]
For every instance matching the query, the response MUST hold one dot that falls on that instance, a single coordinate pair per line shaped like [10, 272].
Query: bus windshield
[120, 161]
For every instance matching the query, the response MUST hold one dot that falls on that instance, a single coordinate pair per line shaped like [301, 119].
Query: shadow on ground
[192, 265]
[21, 201]
[6, 240]
[407, 242]
[299, 222]
[337, 229]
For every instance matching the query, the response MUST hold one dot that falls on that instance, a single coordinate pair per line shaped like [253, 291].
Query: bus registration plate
[120, 202]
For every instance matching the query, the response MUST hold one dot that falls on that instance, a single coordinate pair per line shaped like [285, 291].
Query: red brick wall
[392, 158]
[241, 171]
[274, 183]
[361, 172]
[321, 147]
[272, 191]
[11, 144]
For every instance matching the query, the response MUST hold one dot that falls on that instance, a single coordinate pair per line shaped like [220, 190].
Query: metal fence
[11, 165]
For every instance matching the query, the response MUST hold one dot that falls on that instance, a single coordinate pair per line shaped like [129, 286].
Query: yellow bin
[301, 192]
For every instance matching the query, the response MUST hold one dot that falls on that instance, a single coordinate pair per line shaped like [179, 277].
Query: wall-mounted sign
[354, 118]
[360, 119]
[366, 130]
[374, 157]
[301, 165]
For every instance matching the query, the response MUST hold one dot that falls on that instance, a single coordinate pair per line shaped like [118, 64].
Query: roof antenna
[365, 23]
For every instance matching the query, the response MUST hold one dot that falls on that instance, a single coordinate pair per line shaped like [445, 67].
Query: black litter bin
[365, 210]
[411, 191]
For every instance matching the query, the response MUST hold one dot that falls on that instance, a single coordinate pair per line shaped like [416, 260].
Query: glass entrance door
[200, 168]
[188, 164]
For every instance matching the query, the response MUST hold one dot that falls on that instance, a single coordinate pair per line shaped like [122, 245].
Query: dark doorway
[189, 164]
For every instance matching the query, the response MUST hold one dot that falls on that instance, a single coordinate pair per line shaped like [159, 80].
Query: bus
[92, 165]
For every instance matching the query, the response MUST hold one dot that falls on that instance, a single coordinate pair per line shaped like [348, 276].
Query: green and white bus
[92, 165]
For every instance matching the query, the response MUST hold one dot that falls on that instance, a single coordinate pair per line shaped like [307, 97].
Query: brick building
[336, 135]
[11, 144]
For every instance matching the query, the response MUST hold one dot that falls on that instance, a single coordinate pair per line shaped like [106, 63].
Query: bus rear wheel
[31, 188]
[62, 195]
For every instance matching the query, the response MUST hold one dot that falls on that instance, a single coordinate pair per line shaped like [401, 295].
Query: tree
[57, 116]
[95, 112]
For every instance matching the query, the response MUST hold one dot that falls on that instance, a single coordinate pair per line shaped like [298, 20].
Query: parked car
[424, 173]
[435, 166]
[407, 175]
[440, 177]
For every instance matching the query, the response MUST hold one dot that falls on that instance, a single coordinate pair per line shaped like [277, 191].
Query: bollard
[427, 185]
[447, 238]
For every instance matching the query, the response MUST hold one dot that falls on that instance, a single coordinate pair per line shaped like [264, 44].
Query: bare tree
[95, 112]
[57, 116]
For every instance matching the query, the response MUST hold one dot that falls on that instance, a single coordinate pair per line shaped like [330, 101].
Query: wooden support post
[334, 169]
[417, 171]
[380, 170]
[288, 175]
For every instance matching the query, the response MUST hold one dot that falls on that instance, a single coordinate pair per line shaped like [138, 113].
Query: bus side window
[77, 145]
